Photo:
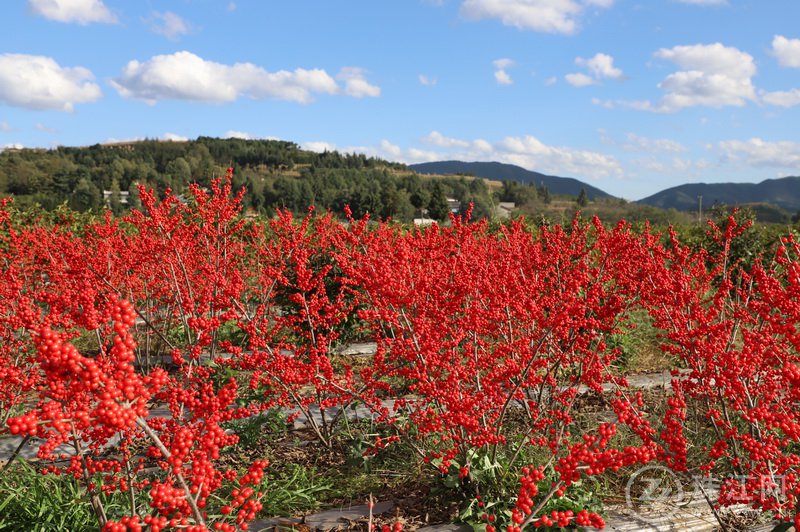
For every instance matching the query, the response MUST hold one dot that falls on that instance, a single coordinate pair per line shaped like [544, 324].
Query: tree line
[279, 174]
[276, 174]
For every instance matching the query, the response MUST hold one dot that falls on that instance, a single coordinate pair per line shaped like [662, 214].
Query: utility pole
[700, 210]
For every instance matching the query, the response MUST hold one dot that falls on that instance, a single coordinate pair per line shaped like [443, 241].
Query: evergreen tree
[544, 193]
[438, 209]
[478, 187]
[178, 172]
[582, 200]
[115, 201]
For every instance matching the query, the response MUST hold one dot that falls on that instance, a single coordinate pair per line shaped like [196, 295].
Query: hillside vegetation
[280, 175]
[565, 186]
[772, 199]
[275, 174]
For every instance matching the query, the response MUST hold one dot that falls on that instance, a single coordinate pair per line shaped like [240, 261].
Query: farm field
[429, 265]
[187, 367]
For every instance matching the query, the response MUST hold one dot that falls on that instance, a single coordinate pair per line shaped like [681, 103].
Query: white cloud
[684, 167]
[392, 152]
[38, 82]
[415, 155]
[385, 150]
[318, 146]
[579, 79]
[636, 143]
[12, 146]
[605, 104]
[605, 137]
[601, 66]
[703, 164]
[435, 138]
[174, 137]
[528, 152]
[711, 59]
[760, 153]
[185, 76]
[355, 83]
[552, 80]
[232, 134]
[80, 11]
[782, 98]
[231, 6]
[503, 63]
[549, 16]
[481, 146]
[427, 81]
[502, 78]
[787, 51]
[46, 129]
[714, 76]
[500, 75]
[168, 24]
[5, 127]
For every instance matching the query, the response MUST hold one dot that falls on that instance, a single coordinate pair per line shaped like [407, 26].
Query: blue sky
[632, 96]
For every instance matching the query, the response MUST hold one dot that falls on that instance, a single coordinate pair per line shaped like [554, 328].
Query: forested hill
[566, 186]
[783, 193]
[279, 174]
[275, 174]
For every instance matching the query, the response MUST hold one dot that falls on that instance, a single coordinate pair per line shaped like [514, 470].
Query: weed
[34, 502]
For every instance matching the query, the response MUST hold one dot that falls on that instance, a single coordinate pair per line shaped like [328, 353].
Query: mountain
[783, 192]
[566, 186]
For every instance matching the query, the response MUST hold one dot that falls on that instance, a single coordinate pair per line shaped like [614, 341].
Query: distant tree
[115, 201]
[396, 203]
[583, 199]
[517, 193]
[544, 193]
[201, 164]
[285, 193]
[86, 196]
[305, 197]
[438, 209]
[255, 193]
[179, 173]
[481, 208]
[478, 186]
[508, 191]
[418, 194]
[23, 176]
[133, 197]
